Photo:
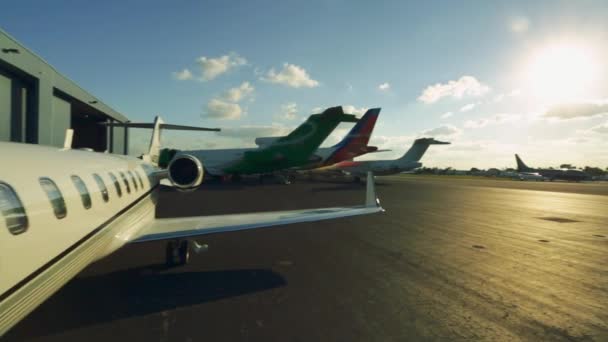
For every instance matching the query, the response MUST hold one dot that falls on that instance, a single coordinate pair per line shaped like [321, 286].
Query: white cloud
[349, 109]
[519, 24]
[493, 120]
[447, 115]
[183, 75]
[468, 146]
[468, 107]
[502, 96]
[213, 67]
[335, 137]
[384, 86]
[476, 123]
[443, 131]
[317, 110]
[239, 93]
[601, 128]
[219, 109]
[577, 110]
[289, 111]
[292, 76]
[465, 86]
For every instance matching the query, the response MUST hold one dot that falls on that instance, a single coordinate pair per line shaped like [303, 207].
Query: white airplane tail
[418, 149]
[155, 145]
[154, 149]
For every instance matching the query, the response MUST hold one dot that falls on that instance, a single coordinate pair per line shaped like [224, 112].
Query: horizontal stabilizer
[182, 227]
[162, 126]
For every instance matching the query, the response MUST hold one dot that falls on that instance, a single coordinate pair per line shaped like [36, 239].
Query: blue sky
[517, 76]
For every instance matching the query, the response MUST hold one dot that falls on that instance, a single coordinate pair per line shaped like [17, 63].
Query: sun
[562, 73]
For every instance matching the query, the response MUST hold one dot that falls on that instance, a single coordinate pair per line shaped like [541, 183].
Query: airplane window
[133, 180]
[102, 187]
[124, 179]
[84, 192]
[141, 182]
[54, 195]
[12, 210]
[116, 184]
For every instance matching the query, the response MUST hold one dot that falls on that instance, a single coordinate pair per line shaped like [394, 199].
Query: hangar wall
[38, 104]
[5, 108]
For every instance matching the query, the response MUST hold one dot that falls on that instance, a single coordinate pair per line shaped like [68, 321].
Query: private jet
[409, 161]
[62, 209]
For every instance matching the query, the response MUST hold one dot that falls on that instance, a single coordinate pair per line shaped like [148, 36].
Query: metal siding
[61, 117]
[119, 140]
[5, 108]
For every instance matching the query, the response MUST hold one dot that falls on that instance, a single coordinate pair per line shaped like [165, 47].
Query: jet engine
[186, 171]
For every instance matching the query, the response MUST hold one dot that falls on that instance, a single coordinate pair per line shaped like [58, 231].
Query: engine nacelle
[186, 171]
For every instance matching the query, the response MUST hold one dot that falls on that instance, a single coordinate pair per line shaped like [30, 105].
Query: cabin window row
[13, 211]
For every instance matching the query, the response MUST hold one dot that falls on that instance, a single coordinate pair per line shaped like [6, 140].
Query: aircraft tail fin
[316, 128]
[521, 166]
[419, 147]
[362, 130]
[355, 142]
[158, 125]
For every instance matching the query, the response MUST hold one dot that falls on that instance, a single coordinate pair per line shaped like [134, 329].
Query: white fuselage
[38, 261]
[62, 209]
[381, 167]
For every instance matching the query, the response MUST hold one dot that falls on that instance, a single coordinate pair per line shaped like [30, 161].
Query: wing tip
[371, 198]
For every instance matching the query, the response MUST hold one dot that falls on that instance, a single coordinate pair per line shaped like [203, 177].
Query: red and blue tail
[355, 142]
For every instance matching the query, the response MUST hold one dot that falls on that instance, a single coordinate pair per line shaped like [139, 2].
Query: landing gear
[177, 252]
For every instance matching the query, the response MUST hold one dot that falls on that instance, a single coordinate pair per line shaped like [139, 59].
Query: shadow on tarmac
[135, 292]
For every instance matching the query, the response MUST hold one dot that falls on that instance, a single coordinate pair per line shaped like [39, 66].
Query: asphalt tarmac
[450, 259]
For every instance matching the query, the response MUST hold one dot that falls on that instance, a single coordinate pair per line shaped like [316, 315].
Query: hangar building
[38, 104]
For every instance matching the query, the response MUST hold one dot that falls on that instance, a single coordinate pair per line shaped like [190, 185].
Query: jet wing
[182, 227]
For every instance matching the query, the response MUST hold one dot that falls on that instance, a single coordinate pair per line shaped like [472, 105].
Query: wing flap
[173, 228]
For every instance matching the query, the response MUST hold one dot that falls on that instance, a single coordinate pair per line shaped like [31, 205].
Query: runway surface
[449, 260]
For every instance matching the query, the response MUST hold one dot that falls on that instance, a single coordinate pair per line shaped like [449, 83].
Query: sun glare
[562, 73]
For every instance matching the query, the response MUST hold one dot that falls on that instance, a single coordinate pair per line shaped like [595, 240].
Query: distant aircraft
[530, 176]
[354, 144]
[293, 150]
[62, 209]
[568, 175]
[409, 161]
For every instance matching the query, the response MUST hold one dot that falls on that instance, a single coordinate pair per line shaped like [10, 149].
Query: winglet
[371, 199]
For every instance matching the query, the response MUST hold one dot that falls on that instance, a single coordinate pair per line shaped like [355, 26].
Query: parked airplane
[293, 150]
[354, 144]
[568, 175]
[409, 161]
[62, 209]
[523, 176]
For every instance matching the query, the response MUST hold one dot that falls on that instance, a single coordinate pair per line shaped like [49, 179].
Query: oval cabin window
[12, 210]
[116, 184]
[55, 197]
[102, 187]
[82, 189]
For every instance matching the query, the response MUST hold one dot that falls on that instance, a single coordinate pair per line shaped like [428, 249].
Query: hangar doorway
[85, 120]
[88, 133]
